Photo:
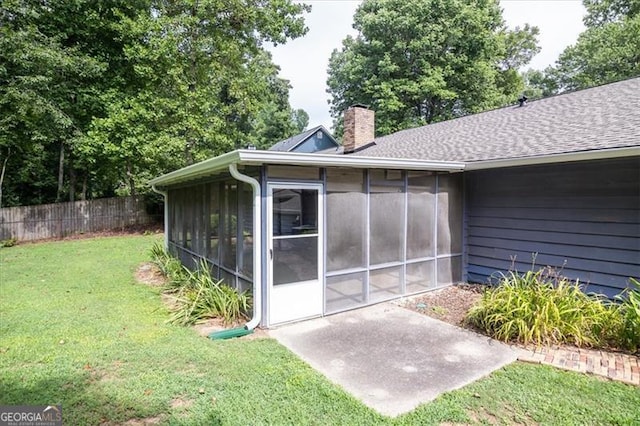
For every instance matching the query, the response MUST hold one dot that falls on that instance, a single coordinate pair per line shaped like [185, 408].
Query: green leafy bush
[10, 242]
[197, 295]
[542, 308]
[629, 336]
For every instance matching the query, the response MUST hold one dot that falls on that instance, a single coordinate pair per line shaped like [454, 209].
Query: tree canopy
[601, 12]
[98, 97]
[608, 50]
[419, 61]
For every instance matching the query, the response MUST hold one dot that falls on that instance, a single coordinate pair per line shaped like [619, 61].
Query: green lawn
[76, 329]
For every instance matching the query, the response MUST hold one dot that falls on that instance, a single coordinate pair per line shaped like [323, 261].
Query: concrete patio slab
[391, 358]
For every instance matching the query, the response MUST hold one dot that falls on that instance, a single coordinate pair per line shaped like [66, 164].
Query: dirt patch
[211, 325]
[449, 304]
[258, 333]
[169, 301]
[113, 373]
[148, 273]
[181, 403]
[484, 417]
[144, 422]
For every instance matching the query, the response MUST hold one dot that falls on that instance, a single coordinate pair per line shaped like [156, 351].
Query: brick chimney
[359, 128]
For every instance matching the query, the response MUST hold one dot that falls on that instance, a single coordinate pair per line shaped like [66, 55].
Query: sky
[304, 61]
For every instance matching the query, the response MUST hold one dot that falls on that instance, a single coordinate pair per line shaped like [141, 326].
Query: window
[295, 235]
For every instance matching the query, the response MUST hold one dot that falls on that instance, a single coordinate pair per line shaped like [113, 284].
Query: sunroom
[316, 234]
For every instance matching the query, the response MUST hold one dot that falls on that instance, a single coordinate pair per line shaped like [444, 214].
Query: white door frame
[312, 304]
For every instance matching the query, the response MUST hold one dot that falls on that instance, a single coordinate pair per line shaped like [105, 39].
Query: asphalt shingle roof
[598, 118]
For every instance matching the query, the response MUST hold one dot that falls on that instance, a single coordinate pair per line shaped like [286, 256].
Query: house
[318, 233]
[313, 140]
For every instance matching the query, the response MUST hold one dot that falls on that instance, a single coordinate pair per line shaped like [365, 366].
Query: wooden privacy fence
[59, 220]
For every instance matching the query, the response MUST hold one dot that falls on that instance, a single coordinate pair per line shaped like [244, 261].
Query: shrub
[177, 275]
[542, 307]
[10, 242]
[629, 336]
[197, 294]
[203, 297]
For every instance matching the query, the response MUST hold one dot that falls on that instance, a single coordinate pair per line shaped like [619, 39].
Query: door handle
[270, 254]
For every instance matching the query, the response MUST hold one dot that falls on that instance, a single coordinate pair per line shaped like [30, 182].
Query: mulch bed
[448, 304]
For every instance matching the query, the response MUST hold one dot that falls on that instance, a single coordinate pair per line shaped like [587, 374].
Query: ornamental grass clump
[196, 295]
[204, 297]
[544, 308]
[176, 274]
[629, 337]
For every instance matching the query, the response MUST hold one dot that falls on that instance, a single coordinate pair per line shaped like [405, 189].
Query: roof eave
[198, 170]
[257, 158]
[601, 154]
[338, 160]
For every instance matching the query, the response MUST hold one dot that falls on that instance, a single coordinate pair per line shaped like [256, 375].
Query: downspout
[166, 215]
[257, 244]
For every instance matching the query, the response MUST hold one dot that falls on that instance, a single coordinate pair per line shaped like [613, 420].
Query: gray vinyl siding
[583, 218]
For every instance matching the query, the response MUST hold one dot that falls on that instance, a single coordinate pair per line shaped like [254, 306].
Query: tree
[57, 58]
[275, 120]
[601, 55]
[300, 119]
[96, 97]
[608, 50]
[44, 95]
[205, 85]
[538, 84]
[601, 12]
[420, 61]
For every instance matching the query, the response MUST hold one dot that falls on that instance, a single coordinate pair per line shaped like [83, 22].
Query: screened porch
[364, 235]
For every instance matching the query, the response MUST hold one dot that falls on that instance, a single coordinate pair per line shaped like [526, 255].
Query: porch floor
[391, 358]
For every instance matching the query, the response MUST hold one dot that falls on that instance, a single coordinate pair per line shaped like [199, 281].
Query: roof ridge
[514, 105]
[595, 118]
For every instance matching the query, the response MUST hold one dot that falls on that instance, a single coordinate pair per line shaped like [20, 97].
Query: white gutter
[341, 160]
[257, 244]
[198, 170]
[165, 195]
[555, 158]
